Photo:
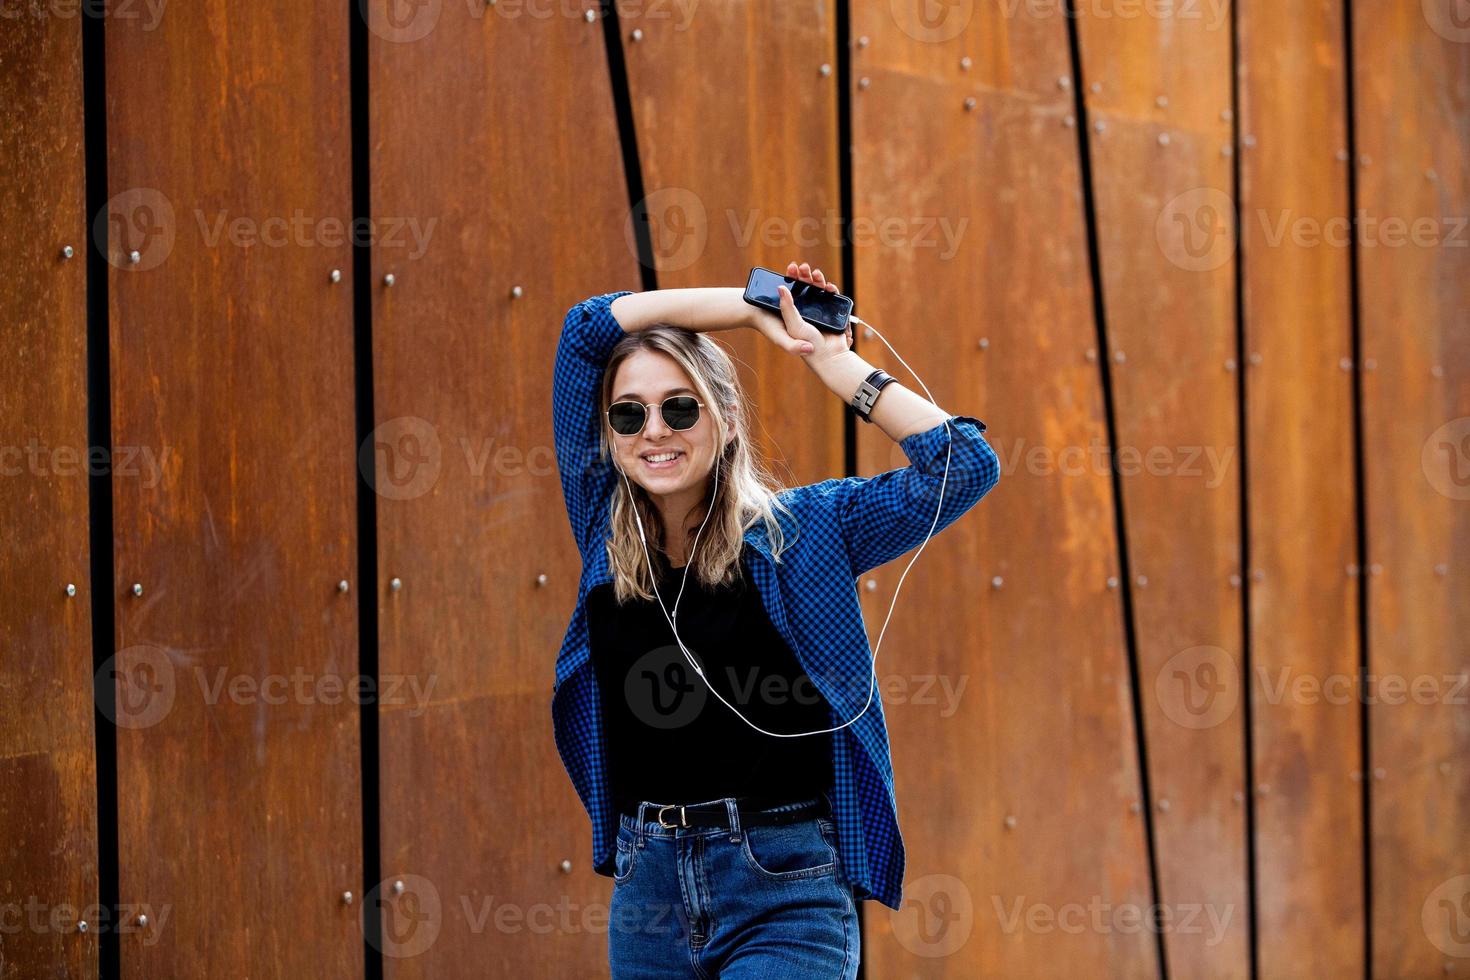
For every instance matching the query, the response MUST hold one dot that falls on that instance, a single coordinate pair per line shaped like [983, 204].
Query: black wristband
[867, 393]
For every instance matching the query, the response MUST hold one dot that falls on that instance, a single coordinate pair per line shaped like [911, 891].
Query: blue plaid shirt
[843, 528]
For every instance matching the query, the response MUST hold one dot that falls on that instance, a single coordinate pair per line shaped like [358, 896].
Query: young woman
[714, 700]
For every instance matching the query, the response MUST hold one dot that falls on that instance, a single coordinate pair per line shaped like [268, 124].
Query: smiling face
[678, 485]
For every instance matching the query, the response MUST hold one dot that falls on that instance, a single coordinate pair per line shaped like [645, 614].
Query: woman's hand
[790, 332]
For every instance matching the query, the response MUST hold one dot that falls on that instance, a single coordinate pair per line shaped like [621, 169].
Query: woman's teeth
[662, 461]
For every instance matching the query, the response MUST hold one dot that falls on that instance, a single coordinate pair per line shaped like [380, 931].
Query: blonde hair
[747, 489]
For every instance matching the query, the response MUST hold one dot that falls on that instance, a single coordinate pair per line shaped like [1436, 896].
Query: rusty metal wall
[1235, 445]
[48, 781]
[229, 189]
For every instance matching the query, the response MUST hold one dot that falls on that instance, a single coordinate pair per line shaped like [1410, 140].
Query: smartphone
[822, 309]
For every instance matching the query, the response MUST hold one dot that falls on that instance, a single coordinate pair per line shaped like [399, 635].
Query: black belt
[713, 814]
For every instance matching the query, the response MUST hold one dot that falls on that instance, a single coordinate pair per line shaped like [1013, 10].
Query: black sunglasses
[628, 417]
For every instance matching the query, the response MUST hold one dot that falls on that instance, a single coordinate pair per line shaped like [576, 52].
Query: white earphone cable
[873, 673]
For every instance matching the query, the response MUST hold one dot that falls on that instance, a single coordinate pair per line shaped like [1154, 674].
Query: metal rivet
[863, 41]
[1010, 822]
[863, 82]
[867, 333]
[336, 275]
[343, 585]
[1134, 807]
[1234, 581]
[398, 887]
[1099, 126]
[1369, 364]
[637, 34]
[1226, 115]
[1164, 804]
[1120, 357]
[997, 582]
[346, 898]
[1090, 355]
[1142, 581]
[395, 583]
[1163, 139]
[1356, 776]
[137, 588]
[965, 63]
[1380, 773]
[1431, 174]
[143, 918]
[1342, 156]
[969, 103]
[1441, 570]
[1255, 357]
[542, 579]
[516, 292]
[1230, 364]
[1227, 150]
[590, 16]
[1346, 363]
[870, 584]
[67, 251]
[1365, 159]
[1375, 569]
[1112, 581]
[1248, 140]
[566, 866]
[825, 70]
[1352, 570]
[135, 257]
[1257, 575]
[1069, 120]
[1237, 797]
[82, 926]
[984, 343]
[1095, 87]
[389, 279]
[71, 589]
[1161, 101]
[1064, 83]
[1437, 371]
[1263, 789]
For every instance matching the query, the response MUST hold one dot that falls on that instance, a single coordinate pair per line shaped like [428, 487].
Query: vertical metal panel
[1159, 101]
[1412, 66]
[1015, 788]
[231, 350]
[737, 141]
[48, 819]
[1302, 492]
[494, 135]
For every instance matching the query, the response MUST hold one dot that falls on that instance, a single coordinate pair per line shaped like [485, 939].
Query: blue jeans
[765, 902]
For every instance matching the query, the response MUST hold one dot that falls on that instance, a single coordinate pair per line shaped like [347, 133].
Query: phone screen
[828, 311]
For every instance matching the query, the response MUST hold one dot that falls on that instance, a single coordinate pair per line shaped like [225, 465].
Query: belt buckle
[683, 817]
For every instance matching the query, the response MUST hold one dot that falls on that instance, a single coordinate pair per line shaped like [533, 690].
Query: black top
[668, 739]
